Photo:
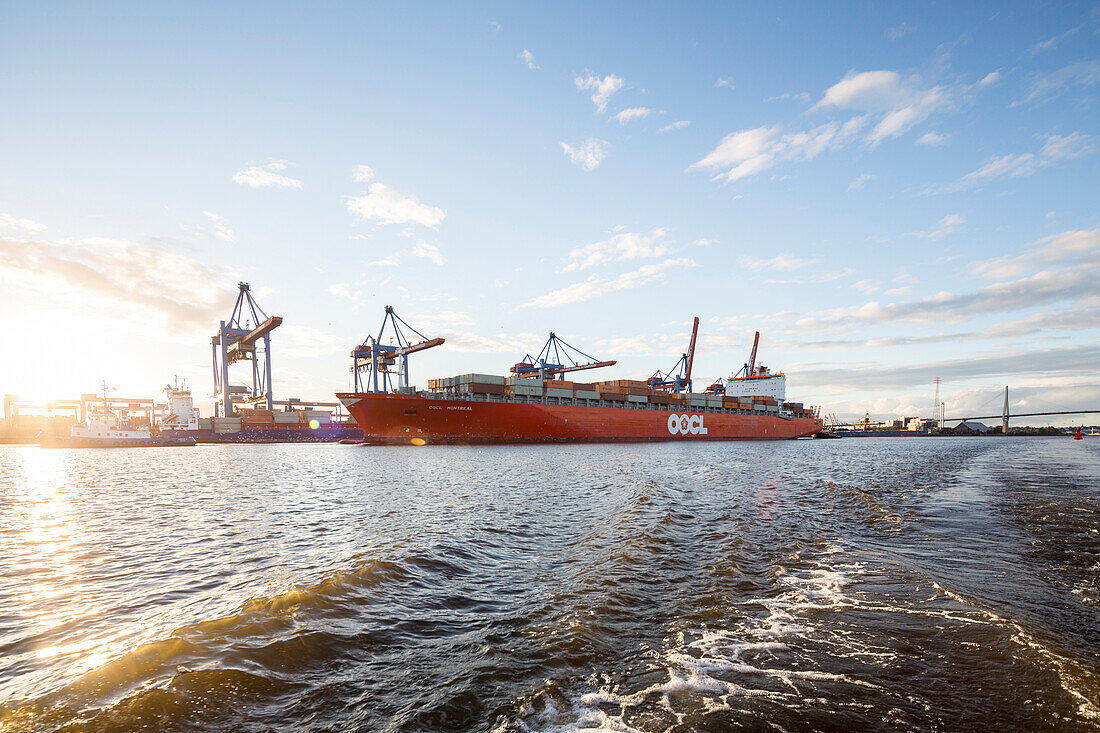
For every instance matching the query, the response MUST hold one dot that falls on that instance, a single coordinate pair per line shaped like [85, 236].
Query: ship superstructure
[182, 413]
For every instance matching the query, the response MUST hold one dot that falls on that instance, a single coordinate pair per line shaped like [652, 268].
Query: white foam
[711, 667]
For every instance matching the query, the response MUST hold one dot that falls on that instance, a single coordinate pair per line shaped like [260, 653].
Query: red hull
[404, 419]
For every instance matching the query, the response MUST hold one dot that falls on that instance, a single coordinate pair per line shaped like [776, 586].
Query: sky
[888, 192]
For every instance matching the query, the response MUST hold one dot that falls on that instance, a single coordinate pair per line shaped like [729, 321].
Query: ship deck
[582, 402]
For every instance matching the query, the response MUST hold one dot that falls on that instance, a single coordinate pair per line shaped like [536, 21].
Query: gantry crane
[556, 359]
[678, 379]
[238, 339]
[382, 367]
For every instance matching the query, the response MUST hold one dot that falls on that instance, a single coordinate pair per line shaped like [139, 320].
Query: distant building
[971, 427]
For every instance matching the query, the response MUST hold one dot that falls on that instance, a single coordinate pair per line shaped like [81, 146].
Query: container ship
[252, 425]
[536, 404]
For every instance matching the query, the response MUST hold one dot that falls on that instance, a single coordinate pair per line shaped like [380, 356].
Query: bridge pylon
[1004, 414]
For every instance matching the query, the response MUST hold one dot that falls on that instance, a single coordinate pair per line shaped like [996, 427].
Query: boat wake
[811, 654]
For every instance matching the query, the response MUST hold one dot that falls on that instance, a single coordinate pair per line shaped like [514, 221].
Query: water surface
[877, 584]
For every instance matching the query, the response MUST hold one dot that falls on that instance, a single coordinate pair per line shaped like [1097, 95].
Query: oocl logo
[686, 425]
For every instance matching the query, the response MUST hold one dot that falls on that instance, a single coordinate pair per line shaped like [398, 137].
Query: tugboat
[105, 429]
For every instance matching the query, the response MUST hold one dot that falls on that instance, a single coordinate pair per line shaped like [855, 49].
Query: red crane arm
[420, 346]
[691, 349]
[260, 331]
[752, 356]
[579, 367]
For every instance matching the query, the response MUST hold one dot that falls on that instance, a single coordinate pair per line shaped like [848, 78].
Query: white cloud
[623, 246]
[601, 89]
[362, 174]
[632, 113]
[867, 286]
[474, 342]
[1043, 86]
[1056, 248]
[596, 286]
[529, 59]
[882, 104]
[420, 250]
[895, 292]
[932, 139]
[342, 290]
[946, 225]
[725, 81]
[991, 78]
[748, 152]
[678, 125]
[147, 278]
[221, 229]
[704, 242]
[428, 251]
[1051, 43]
[902, 101]
[589, 154]
[779, 262]
[497, 27]
[1018, 165]
[7, 221]
[390, 260]
[266, 176]
[384, 205]
[798, 97]
[860, 181]
[1073, 282]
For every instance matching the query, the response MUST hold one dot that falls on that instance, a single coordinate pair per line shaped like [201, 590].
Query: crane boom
[752, 356]
[691, 351]
[260, 331]
[413, 348]
[580, 367]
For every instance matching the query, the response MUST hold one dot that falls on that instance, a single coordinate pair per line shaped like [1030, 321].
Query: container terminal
[243, 413]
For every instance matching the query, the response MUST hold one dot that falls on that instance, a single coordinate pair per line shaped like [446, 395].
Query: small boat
[104, 429]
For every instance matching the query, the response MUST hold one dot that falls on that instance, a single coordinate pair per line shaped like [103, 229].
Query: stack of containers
[256, 420]
[523, 386]
[226, 424]
[287, 420]
[660, 397]
[558, 388]
[323, 418]
[479, 384]
[585, 391]
[696, 400]
[206, 423]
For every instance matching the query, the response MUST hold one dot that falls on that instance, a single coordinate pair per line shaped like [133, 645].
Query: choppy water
[936, 584]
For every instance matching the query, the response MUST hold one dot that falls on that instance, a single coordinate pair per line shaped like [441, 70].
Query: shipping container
[484, 388]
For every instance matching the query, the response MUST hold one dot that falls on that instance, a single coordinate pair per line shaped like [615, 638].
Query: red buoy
[1077, 435]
